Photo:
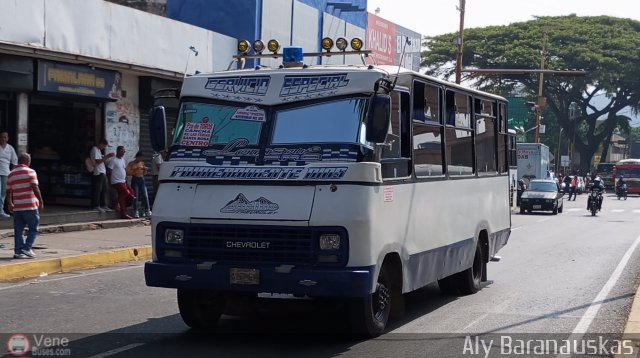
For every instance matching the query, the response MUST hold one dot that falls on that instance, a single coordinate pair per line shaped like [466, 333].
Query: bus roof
[628, 162]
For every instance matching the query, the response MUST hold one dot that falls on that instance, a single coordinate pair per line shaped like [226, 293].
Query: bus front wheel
[369, 315]
[200, 309]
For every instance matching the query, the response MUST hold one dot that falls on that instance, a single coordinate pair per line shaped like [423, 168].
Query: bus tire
[469, 279]
[369, 315]
[200, 309]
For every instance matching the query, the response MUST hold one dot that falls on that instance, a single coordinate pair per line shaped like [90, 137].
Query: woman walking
[138, 170]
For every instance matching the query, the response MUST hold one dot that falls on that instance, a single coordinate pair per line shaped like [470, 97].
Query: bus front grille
[235, 244]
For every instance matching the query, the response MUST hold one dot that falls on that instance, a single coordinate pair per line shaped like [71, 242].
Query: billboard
[381, 40]
[386, 40]
[412, 48]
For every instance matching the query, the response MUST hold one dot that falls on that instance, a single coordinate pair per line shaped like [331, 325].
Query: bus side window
[395, 156]
[391, 147]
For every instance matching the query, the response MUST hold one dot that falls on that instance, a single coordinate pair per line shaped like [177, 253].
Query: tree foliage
[606, 48]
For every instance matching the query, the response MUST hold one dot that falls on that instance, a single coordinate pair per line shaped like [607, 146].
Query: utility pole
[458, 41]
[541, 100]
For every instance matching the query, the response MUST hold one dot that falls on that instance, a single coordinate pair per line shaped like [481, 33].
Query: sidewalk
[69, 247]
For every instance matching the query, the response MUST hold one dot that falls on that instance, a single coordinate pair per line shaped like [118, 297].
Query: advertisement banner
[77, 80]
[381, 40]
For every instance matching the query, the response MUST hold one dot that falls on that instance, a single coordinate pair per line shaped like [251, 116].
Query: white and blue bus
[359, 182]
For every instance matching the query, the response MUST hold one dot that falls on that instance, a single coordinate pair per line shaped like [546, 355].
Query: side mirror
[378, 118]
[158, 128]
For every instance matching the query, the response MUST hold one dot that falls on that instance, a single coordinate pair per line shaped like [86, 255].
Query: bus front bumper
[310, 281]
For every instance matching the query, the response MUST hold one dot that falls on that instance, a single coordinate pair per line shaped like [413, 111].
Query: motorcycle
[622, 191]
[594, 201]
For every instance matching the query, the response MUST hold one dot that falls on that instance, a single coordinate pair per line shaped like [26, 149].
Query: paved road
[560, 275]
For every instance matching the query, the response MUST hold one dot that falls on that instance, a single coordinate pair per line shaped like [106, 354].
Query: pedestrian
[574, 185]
[567, 185]
[156, 162]
[8, 160]
[522, 186]
[138, 170]
[25, 201]
[100, 188]
[119, 181]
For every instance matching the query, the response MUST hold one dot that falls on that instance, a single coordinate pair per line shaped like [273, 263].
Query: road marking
[593, 309]
[475, 321]
[516, 228]
[67, 278]
[574, 209]
[117, 350]
[543, 220]
[637, 211]
[617, 211]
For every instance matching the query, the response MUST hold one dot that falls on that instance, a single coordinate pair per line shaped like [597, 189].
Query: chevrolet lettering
[248, 244]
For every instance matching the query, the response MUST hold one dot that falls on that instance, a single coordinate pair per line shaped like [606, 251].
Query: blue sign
[77, 80]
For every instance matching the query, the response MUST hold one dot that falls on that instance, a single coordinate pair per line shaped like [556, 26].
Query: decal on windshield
[250, 85]
[251, 113]
[300, 85]
[242, 205]
[197, 134]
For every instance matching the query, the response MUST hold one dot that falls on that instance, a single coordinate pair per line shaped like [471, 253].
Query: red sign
[381, 40]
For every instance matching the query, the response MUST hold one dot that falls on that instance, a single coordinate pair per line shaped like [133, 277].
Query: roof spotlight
[341, 43]
[327, 43]
[243, 46]
[258, 46]
[273, 45]
[356, 44]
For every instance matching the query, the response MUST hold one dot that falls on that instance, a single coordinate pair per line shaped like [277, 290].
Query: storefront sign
[62, 78]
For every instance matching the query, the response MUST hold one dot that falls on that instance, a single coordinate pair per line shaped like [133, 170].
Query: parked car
[542, 195]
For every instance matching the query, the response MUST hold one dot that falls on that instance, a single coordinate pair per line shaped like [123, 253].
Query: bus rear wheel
[468, 281]
[369, 315]
[200, 309]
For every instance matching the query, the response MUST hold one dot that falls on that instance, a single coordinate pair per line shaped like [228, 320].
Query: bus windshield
[202, 124]
[337, 121]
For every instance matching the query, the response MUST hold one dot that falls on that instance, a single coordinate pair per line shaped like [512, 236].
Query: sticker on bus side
[388, 194]
[258, 173]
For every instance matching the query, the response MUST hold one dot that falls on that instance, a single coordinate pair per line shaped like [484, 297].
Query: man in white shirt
[99, 178]
[119, 180]
[8, 160]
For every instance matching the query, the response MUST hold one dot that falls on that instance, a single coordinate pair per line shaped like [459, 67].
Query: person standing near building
[99, 179]
[138, 170]
[8, 159]
[119, 181]
[25, 201]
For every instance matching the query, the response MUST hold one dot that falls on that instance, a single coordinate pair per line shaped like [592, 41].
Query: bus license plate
[243, 276]
[537, 206]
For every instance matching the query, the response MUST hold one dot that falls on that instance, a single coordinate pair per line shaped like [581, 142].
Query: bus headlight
[173, 236]
[329, 242]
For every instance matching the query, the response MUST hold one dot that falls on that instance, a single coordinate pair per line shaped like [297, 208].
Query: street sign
[564, 160]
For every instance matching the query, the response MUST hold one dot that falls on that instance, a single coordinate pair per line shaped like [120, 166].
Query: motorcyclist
[598, 185]
[619, 185]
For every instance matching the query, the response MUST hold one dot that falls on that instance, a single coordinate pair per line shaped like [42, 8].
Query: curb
[73, 227]
[32, 269]
[632, 328]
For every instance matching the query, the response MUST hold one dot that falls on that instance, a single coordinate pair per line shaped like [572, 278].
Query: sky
[437, 17]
